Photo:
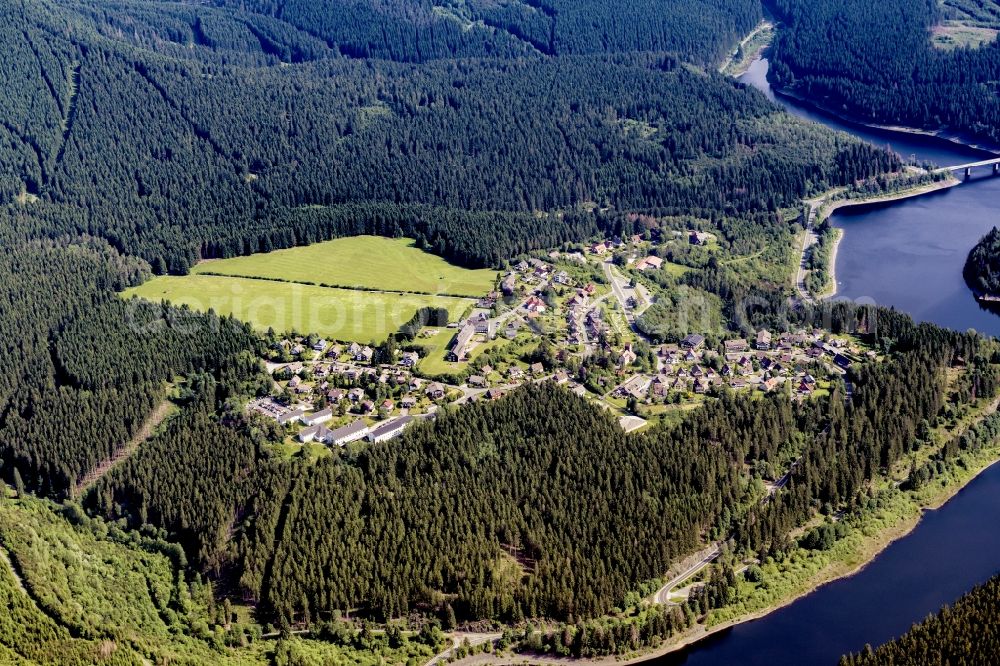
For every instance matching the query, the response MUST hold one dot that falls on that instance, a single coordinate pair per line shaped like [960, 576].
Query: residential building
[389, 429]
[316, 418]
[291, 416]
[693, 342]
[348, 433]
[314, 433]
[460, 345]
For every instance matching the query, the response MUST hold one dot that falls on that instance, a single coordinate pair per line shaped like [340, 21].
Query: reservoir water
[908, 255]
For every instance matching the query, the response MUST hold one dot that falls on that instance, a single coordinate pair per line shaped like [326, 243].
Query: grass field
[365, 262]
[341, 314]
[957, 35]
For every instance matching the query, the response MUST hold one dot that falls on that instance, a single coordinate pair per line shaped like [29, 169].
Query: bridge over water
[967, 168]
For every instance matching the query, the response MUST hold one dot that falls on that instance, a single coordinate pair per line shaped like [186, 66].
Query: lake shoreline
[942, 135]
[828, 209]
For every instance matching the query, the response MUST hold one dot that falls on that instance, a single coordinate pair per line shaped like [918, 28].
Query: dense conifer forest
[179, 153]
[875, 61]
[965, 632]
[982, 266]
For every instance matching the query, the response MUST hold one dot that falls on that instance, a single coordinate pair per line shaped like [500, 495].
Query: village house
[409, 359]
[408, 403]
[771, 384]
[313, 433]
[735, 346]
[486, 326]
[599, 248]
[763, 342]
[435, 390]
[477, 381]
[388, 430]
[652, 262]
[290, 416]
[347, 434]
[693, 341]
[509, 284]
[316, 418]
[537, 369]
[636, 387]
[535, 305]
[366, 407]
[460, 345]
[365, 355]
[356, 394]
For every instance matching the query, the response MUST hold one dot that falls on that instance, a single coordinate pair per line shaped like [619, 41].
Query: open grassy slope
[360, 262]
[341, 314]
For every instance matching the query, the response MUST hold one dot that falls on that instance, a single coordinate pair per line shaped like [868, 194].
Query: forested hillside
[982, 266]
[875, 61]
[963, 633]
[180, 153]
[487, 508]
[419, 30]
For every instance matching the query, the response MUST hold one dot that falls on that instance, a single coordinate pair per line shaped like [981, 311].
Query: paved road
[810, 239]
[618, 284]
[708, 556]
[456, 640]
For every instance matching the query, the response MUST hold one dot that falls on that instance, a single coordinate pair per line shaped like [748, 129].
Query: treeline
[982, 267]
[967, 632]
[229, 156]
[875, 61]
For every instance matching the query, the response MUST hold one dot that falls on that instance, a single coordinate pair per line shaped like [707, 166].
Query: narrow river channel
[908, 255]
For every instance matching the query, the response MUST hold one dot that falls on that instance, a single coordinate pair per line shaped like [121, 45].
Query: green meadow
[360, 262]
[340, 314]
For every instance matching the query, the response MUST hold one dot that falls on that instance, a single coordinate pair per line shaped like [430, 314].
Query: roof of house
[291, 416]
[390, 427]
[694, 340]
[347, 431]
[323, 413]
